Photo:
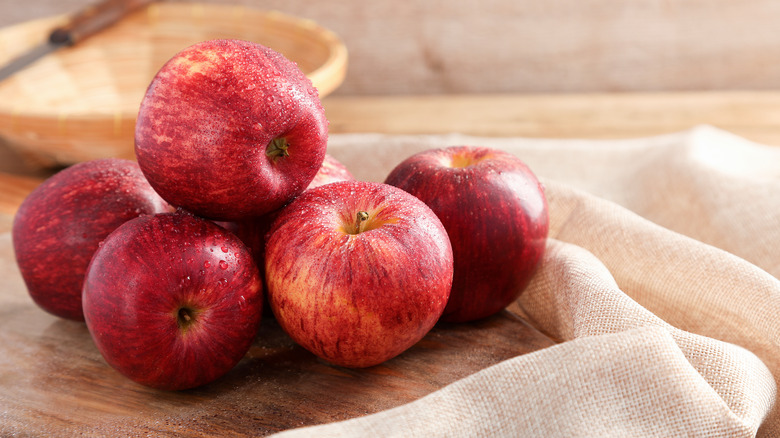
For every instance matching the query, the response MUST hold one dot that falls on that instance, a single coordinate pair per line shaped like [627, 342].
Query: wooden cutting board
[54, 382]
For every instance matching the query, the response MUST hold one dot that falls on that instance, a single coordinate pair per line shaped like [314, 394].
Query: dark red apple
[252, 233]
[332, 170]
[172, 301]
[230, 130]
[357, 272]
[495, 213]
[59, 225]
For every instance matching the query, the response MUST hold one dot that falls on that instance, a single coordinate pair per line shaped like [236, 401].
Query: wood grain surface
[54, 382]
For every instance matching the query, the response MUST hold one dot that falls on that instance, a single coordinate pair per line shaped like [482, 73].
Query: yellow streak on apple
[463, 159]
[299, 301]
[185, 66]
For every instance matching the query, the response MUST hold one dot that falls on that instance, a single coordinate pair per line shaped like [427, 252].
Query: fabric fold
[525, 396]
[575, 296]
[660, 284]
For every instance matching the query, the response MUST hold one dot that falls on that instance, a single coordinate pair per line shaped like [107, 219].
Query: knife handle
[93, 19]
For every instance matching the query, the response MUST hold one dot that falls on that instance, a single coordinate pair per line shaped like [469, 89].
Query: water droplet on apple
[224, 249]
[223, 264]
[190, 260]
[222, 282]
[207, 264]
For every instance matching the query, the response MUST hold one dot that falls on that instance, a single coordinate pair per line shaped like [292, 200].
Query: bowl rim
[326, 78]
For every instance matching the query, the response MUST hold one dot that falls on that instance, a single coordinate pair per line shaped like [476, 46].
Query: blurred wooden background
[524, 46]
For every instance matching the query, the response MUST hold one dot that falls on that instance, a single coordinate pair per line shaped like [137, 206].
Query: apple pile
[233, 209]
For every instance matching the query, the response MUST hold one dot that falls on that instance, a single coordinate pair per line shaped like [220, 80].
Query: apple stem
[362, 217]
[277, 148]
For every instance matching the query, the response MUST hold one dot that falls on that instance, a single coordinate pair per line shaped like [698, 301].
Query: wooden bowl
[80, 103]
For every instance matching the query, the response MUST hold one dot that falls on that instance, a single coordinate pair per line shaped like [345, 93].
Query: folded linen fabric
[660, 283]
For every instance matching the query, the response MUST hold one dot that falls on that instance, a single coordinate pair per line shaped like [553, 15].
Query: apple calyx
[277, 148]
[185, 317]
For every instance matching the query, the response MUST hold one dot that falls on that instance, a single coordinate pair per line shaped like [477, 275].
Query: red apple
[172, 301]
[357, 272]
[332, 170]
[495, 213]
[59, 225]
[252, 233]
[230, 130]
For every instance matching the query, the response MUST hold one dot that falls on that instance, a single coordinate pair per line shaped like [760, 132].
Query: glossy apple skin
[357, 300]
[332, 170]
[141, 278]
[495, 213]
[206, 125]
[59, 225]
[252, 232]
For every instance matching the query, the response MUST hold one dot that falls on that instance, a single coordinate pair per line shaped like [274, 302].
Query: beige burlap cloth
[660, 281]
